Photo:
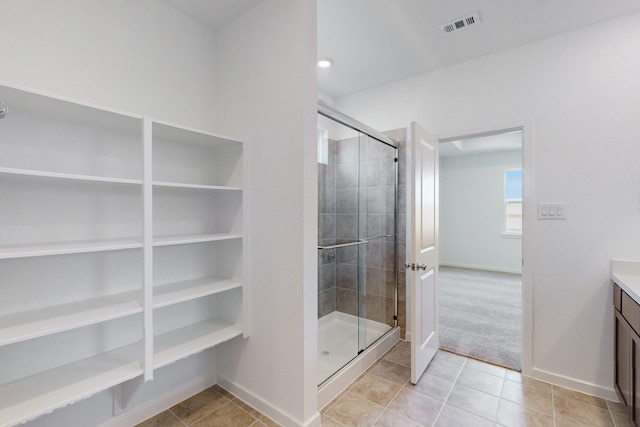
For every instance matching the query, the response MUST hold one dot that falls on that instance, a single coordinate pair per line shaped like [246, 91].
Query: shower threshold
[338, 365]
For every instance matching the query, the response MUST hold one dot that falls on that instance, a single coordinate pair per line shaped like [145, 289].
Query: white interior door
[422, 245]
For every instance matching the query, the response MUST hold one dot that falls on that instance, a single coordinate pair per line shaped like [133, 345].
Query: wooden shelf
[36, 323]
[193, 238]
[175, 345]
[39, 394]
[68, 176]
[71, 247]
[161, 184]
[174, 293]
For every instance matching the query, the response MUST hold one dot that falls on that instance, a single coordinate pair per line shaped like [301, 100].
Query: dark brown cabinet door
[635, 386]
[623, 359]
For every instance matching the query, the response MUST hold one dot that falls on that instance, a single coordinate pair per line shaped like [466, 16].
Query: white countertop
[626, 274]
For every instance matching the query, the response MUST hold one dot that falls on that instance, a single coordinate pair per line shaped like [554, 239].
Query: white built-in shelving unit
[121, 249]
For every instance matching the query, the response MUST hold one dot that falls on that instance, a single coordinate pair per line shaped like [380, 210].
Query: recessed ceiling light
[325, 62]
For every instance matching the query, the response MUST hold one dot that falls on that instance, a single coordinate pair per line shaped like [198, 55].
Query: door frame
[526, 126]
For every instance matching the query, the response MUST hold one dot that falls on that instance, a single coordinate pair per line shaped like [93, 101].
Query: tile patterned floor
[454, 392]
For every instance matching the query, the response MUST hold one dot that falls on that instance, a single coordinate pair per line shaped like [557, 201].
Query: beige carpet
[480, 314]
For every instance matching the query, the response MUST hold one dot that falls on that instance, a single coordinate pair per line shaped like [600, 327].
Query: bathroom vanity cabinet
[627, 340]
[121, 249]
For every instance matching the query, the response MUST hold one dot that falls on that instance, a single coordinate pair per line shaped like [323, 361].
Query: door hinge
[395, 160]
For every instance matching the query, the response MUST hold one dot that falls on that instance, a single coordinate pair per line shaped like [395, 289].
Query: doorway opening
[480, 301]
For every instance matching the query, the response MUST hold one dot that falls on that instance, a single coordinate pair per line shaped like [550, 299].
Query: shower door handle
[413, 266]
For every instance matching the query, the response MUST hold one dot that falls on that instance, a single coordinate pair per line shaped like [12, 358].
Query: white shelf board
[178, 292]
[174, 132]
[195, 186]
[31, 397]
[36, 323]
[68, 176]
[193, 238]
[71, 247]
[175, 345]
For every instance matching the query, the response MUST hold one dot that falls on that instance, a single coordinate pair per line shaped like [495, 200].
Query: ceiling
[374, 42]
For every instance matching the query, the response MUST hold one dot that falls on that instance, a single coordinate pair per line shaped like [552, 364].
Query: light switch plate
[556, 211]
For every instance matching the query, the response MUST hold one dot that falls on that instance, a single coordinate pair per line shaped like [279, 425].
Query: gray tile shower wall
[355, 200]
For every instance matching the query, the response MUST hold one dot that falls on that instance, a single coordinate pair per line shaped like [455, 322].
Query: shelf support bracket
[123, 394]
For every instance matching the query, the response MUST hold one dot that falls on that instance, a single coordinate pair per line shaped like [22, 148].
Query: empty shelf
[175, 345]
[71, 247]
[69, 176]
[193, 238]
[174, 293]
[195, 186]
[36, 323]
[26, 399]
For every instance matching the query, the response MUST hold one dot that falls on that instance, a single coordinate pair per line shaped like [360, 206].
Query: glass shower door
[356, 243]
[376, 226]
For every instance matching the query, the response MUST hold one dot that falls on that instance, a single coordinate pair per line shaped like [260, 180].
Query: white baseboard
[573, 384]
[276, 414]
[165, 401]
[482, 267]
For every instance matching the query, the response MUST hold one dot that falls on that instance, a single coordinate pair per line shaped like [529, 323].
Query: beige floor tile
[532, 382]
[455, 417]
[447, 356]
[327, 421]
[199, 405]
[415, 406]
[488, 368]
[248, 409]
[480, 380]
[581, 413]
[390, 371]
[401, 353]
[353, 410]
[228, 415]
[513, 415]
[376, 389]
[443, 368]
[532, 399]
[580, 397]
[268, 421]
[514, 376]
[222, 391]
[433, 386]
[163, 419]
[616, 407]
[391, 419]
[621, 419]
[474, 401]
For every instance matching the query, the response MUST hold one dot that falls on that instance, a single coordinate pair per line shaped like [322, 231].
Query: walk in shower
[357, 245]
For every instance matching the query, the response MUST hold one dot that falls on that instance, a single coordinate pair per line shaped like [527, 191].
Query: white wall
[137, 56]
[472, 212]
[582, 89]
[267, 96]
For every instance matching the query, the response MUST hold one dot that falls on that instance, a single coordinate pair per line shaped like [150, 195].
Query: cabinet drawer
[631, 312]
[617, 297]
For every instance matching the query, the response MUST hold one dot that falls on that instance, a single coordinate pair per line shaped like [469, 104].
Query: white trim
[511, 235]
[480, 267]
[529, 214]
[275, 413]
[607, 393]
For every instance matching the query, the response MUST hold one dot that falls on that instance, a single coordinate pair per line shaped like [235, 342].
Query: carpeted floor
[480, 314]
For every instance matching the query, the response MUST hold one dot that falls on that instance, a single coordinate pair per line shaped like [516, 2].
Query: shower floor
[338, 340]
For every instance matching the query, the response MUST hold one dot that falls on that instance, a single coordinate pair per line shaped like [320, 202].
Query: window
[513, 202]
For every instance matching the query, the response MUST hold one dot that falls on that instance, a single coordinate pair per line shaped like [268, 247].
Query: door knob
[413, 266]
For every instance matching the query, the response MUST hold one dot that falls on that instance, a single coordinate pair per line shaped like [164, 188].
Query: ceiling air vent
[460, 23]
